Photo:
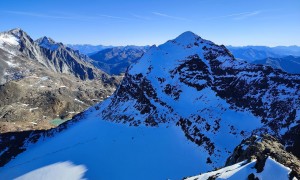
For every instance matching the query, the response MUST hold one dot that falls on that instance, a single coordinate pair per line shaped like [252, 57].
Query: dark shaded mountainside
[43, 80]
[216, 100]
[116, 60]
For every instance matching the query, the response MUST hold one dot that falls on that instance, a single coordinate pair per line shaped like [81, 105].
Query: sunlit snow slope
[97, 149]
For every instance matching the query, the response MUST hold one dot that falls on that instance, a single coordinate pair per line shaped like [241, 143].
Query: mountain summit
[48, 43]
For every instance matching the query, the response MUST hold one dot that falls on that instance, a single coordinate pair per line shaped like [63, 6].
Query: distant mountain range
[288, 64]
[88, 49]
[252, 53]
[117, 59]
[248, 53]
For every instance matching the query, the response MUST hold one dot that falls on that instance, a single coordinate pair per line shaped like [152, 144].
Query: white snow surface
[8, 39]
[9, 43]
[272, 170]
[60, 170]
[97, 149]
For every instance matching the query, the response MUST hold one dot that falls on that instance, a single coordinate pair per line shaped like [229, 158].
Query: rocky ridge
[43, 80]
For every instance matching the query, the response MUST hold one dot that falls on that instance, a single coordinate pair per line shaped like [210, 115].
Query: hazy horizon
[134, 22]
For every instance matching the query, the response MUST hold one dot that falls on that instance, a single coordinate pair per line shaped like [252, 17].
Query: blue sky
[143, 22]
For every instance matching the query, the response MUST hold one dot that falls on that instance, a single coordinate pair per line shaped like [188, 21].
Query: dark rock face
[143, 91]
[261, 148]
[292, 140]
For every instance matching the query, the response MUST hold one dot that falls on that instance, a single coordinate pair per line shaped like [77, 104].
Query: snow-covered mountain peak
[200, 86]
[183, 48]
[46, 40]
[187, 36]
[186, 39]
[18, 32]
[10, 40]
[48, 43]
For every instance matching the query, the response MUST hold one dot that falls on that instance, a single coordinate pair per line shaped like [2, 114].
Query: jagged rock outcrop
[257, 157]
[262, 147]
[54, 56]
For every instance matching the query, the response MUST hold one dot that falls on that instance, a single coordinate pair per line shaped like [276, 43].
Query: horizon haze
[153, 22]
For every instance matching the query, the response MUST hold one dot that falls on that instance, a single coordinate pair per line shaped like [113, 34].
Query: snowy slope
[242, 170]
[9, 43]
[8, 39]
[97, 149]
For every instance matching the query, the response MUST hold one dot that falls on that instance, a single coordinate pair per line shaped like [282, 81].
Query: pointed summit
[11, 37]
[187, 37]
[188, 34]
[45, 39]
[17, 32]
[47, 43]
[22, 37]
